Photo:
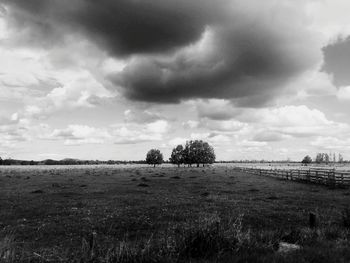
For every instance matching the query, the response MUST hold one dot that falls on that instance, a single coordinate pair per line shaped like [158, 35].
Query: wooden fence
[330, 177]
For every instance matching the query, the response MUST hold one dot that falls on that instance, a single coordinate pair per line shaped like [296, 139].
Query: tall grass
[208, 239]
[8, 249]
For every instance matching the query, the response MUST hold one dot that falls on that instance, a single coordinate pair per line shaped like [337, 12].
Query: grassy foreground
[166, 214]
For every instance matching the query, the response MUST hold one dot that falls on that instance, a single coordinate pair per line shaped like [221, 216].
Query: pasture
[166, 214]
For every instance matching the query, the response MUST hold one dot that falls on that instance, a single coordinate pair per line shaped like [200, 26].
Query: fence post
[328, 182]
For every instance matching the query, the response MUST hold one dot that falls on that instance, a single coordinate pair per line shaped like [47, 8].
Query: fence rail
[330, 177]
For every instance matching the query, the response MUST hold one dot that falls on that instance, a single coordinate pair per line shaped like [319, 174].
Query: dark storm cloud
[247, 64]
[177, 50]
[122, 27]
[337, 61]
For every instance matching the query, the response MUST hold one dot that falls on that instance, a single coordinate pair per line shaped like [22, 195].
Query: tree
[326, 158]
[319, 158]
[209, 154]
[0, 161]
[196, 151]
[187, 154]
[154, 156]
[177, 155]
[322, 158]
[340, 158]
[307, 159]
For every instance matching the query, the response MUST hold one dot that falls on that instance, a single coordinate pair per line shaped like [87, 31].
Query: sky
[112, 79]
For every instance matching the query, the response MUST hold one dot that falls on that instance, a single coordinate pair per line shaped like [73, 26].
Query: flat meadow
[137, 213]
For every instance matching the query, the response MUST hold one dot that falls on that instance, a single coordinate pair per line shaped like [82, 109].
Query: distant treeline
[69, 161]
[65, 162]
[258, 161]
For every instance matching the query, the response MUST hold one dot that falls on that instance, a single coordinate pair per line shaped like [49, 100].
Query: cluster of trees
[16, 162]
[323, 158]
[67, 161]
[194, 152]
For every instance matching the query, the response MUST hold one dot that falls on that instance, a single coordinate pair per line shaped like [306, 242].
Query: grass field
[166, 214]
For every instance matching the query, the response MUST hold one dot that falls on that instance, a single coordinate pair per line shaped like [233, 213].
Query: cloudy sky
[111, 79]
